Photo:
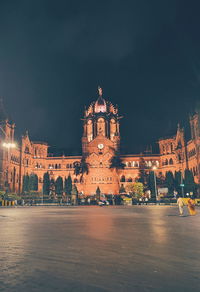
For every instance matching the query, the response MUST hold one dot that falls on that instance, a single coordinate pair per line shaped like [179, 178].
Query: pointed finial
[100, 91]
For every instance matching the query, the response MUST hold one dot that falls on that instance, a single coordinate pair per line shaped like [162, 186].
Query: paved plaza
[91, 248]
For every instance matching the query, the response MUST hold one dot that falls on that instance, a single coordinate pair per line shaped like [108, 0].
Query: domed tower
[100, 141]
[101, 120]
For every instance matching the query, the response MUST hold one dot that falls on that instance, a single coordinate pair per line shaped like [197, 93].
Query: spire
[100, 104]
[100, 90]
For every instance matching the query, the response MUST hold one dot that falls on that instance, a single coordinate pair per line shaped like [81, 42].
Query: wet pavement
[136, 248]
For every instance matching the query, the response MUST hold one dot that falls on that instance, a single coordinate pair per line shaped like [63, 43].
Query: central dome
[100, 105]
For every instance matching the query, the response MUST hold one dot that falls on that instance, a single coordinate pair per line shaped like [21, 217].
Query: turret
[101, 119]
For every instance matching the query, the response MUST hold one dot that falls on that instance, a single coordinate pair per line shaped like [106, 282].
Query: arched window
[166, 162]
[171, 161]
[130, 179]
[89, 130]
[101, 127]
[123, 179]
[113, 128]
[129, 164]
[163, 148]
[56, 166]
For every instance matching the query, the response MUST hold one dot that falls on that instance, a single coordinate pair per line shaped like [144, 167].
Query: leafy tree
[151, 184]
[68, 185]
[177, 181]
[52, 189]
[30, 183]
[143, 173]
[25, 183]
[74, 194]
[169, 181]
[189, 183]
[160, 180]
[122, 189]
[130, 188]
[136, 189]
[33, 182]
[59, 186]
[46, 184]
[98, 193]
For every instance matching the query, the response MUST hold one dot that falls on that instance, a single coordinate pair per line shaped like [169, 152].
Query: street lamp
[182, 184]
[154, 169]
[6, 144]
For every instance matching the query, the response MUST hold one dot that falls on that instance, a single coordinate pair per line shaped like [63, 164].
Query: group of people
[190, 205]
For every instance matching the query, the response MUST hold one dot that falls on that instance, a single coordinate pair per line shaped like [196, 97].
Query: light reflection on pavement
[139, 248]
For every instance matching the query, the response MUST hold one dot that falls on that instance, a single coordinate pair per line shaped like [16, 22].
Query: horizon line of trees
[59, 187]
[176, 182]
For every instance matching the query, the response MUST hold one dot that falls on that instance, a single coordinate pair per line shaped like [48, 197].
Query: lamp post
[7, 144]
[182, 184]
[155, 185]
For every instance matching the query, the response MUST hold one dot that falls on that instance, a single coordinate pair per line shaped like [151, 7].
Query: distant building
[100, 142]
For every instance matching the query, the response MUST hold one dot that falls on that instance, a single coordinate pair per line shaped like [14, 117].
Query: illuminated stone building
[100, 142]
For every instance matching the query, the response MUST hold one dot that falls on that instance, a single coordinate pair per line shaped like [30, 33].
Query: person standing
[191, 206]
[180, 204]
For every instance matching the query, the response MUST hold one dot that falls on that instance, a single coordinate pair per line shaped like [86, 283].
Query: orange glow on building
[100, 141]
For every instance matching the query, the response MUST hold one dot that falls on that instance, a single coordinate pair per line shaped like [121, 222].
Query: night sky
[144, 54]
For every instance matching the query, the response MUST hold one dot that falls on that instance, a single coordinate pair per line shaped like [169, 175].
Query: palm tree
[116, 161]
[77, 168]
[80, 168]
[116, 164]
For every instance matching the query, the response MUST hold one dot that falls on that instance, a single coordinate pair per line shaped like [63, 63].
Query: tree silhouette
[59, 186]
[116, 161]
[169, 181]
[81, 168]
[46, 184]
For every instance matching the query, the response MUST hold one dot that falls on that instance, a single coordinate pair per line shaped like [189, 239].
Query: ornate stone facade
[100, 141]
